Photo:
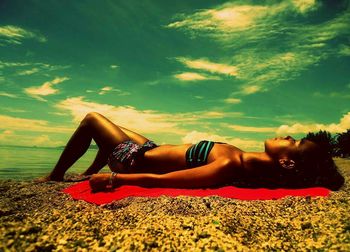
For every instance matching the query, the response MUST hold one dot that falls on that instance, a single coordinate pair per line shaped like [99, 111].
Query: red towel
[82, 191]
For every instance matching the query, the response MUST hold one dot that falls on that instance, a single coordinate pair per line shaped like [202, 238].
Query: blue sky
[175, 71]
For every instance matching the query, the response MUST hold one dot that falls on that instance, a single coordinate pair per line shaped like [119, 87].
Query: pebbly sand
[38, 217]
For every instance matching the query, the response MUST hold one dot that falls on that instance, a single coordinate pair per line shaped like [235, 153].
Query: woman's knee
[90, 119]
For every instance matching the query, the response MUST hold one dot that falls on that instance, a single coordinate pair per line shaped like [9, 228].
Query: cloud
[296, 128]
[29, 71]
[14, 35]
[250, 129]
[23, 124]
[262, 72]
[13, 110]
[44, 140]
[225, 17]
[342, 126]
[8, 95]
[233, 100]
[29, 68]
[145, 121]
[281, 43]
[190, 76]
[6, 134]
[247, 144]
[4, 64]
[113, 66]
[304, 6]
[238, 16]
[9, 137]
[344, 50]
[109, 89]
[206, 65]
[105, 90]
[45, 89]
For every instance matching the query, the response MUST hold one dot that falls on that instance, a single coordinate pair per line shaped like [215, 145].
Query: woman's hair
[315, 167]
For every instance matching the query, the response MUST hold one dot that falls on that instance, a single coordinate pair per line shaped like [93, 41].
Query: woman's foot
[47, 179]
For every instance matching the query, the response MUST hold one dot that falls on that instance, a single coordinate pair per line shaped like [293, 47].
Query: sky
[175, 71]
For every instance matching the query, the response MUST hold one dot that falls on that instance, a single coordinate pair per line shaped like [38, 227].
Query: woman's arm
[219, 172]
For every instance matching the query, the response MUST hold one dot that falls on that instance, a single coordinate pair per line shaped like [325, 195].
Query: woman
[135, 160]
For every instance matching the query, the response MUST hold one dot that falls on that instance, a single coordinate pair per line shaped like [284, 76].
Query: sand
[38, 217]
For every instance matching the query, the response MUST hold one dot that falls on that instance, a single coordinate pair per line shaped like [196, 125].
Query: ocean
[26, 163]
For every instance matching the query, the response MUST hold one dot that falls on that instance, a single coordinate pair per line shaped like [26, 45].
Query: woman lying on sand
[135, 160]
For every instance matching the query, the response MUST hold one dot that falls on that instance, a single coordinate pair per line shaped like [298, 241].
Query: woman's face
[285, 146]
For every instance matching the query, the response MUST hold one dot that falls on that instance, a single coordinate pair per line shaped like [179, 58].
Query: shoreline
[40, 217]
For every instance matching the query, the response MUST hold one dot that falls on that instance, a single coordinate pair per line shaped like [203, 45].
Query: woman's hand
[99, 182]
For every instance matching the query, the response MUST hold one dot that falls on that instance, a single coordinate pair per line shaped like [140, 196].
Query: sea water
[25, 163]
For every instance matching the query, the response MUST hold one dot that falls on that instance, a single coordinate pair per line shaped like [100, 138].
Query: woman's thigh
[106, 134]
[137, 138]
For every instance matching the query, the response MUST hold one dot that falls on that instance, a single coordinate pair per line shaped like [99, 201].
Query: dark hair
[314, 168]
[317, 168]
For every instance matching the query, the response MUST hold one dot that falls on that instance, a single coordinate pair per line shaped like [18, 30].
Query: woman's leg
[99, 162]
[106, 135]
[102, 157]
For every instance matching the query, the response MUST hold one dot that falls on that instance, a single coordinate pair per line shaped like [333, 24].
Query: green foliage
[338, 145]
[343, 144]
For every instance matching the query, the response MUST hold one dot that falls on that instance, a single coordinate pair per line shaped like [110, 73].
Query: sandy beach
[39, 217]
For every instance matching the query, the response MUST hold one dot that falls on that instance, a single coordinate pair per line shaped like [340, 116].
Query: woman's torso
[168, 158]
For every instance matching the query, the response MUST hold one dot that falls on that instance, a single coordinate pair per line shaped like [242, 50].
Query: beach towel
[82, 191]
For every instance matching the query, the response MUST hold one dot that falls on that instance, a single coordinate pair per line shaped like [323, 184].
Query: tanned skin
[165, 165]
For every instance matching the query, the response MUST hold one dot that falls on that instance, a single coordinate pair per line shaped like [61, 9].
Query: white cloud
[228, 17]
[8, 95]
[29, 68]
[206, 65]
[250, 89]
[113, 66]
[296, 128]
[342, 126]
[29, 71]
[4, 64]
[145, 121]
[44, 140]
[246, 144]
[107, 89]
[190, 76]
[14, 34]
[262, 66]
[9, 137]
[238, 16]
[233, 100]
[344, 50]
[263, 71]
[251, 129]
[304, 6]
[23, 124]
[45, 89]
[6, 134]
[13, 110]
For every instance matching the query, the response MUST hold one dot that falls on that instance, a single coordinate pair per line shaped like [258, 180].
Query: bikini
[197, 154]
[129, 152]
